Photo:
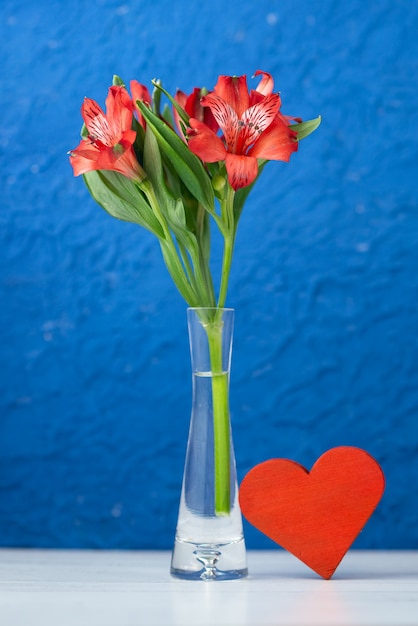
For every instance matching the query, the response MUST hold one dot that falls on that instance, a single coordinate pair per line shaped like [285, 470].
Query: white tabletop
[89, 588]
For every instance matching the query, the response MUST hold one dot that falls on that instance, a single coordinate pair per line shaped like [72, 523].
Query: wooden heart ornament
[314, 515]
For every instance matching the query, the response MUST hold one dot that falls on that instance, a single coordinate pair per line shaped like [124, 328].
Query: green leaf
[187, 165]
[176, 272]
[117, 81]
[179, 214]
[177, 220]
[172, 210]
[184, 116]
[156, 98]
[198, 273]
[152, 163]
[306, 128]
[121, 198]
[175, 215]
[173, 182]
[203, 238]
[167, 115]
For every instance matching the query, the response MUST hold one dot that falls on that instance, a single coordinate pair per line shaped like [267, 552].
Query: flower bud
[218, 182]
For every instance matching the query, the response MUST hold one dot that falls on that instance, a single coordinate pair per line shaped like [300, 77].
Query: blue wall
[95, 375]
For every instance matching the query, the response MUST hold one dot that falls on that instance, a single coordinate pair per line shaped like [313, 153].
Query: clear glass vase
[209, 542]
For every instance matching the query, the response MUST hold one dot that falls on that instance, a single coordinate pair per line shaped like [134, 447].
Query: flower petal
[195, 109]
[256, 120]
[265, 86]
[139, 92]
[96, 122]
[181, 98]
[277, 142]
[128, 165]
[123, 162]
[261, 115]
[127, 139]
[234, 90]
[88, 157]
[119, 110]
[242, 170]
[205, 143]
[84, 158]
[193, 106]
[225, 117]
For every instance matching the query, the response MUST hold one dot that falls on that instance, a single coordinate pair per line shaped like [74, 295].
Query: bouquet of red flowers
[181, 168]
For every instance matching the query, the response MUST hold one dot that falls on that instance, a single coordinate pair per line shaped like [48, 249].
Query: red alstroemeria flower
[140, 92]
[109, 145]
[252, 125]
[193, 107]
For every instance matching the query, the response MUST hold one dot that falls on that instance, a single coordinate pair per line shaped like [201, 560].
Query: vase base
[209, 561]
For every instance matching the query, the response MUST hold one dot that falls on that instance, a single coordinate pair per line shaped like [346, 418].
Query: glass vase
[209, 542]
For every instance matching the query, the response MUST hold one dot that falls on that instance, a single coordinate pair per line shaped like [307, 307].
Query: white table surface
[104, 588]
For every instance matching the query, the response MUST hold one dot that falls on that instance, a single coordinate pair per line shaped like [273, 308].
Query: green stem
[220, 378]
[183, 277]
[226, 268]
[203, 239]
[227, 213]
[221, 422]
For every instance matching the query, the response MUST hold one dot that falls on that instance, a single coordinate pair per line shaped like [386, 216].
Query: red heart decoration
[314, 515]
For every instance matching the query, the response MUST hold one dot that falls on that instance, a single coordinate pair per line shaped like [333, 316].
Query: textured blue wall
[95, 377]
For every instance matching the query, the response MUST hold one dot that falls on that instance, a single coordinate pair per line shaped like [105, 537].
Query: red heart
[314, 515]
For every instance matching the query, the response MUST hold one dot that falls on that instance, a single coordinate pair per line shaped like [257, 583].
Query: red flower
[193, 107]
[252, 125]
[140, 92]
[109, 144]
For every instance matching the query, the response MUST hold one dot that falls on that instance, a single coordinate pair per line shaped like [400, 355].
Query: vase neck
[210, 335]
